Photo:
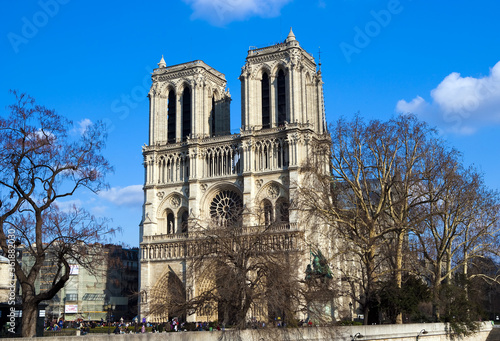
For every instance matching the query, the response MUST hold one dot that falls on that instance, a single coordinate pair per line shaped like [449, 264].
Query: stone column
[290, 93]
[273, 102]
[319, 106]
[161, 125]
[178, 112]
[151, 118]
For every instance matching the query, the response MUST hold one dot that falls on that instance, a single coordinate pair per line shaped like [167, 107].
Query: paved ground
[494, 335]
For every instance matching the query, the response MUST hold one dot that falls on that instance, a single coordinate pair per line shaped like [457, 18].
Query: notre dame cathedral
[196, 170]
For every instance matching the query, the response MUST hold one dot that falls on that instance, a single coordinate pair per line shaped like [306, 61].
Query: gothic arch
[166, 87]
[183, 220]
[271, 154]
[215, 93]
[169, 291]
[267, 214]
[282, 211]
[272, 191]
[170, 214]
[207, 283]
[169, 220]
[279, 66]
[173, 201]
[183, 83]
[264, 68]
[273, 201]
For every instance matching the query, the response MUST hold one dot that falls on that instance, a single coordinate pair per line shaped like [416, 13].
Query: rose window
[226, 207]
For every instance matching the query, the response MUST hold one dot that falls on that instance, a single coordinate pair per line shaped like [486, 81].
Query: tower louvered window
[186, 113]
[266, 122]
[171, 118]
[212, 115]
[281, 98]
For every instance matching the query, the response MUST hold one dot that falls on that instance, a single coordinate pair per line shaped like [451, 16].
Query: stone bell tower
[187, 101]
[280, 84]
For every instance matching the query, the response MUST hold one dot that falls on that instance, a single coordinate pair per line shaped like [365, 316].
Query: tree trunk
[29, 318]
[370, 269]
[399, 270]
[435, 294]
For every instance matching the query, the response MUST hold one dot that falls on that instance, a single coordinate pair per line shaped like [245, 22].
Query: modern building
[107, 290]
[198, 173]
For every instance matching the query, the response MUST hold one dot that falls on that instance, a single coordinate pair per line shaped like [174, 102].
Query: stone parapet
[402, 332]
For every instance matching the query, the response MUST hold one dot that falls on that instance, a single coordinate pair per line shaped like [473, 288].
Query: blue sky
[91, 60]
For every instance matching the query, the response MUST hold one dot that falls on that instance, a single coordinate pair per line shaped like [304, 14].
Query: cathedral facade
[196, 171]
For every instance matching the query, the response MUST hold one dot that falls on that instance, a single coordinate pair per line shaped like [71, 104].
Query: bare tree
[351, 200]
[41, 162]
[367, 199]
[460, 228]
[242, 274]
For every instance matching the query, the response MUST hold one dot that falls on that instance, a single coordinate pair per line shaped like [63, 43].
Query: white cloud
[82, 126]
[67, 206]
[413, 106]
[460, 104]
[222, 12]
[127, 196]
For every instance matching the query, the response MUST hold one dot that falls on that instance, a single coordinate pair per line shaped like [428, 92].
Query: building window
[184, 222]
[268, 212]
[186, 113]
[71, 297]
[281, 98]
[212, 118]
[226, 207]
[266, 116]
[170, 223]
[282, 211]
[171, 117]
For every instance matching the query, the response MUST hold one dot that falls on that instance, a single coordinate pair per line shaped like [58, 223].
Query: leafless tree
[368, 197]
[41, 162]
[460, 227]
[243, 274]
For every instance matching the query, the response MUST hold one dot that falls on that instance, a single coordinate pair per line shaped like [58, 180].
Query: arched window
[266, 116]
[268, 212]
[281, 98]
[212, 116]
[186, 113]
[171, 116]
[184, 222]
[282, 211]
[170, 223]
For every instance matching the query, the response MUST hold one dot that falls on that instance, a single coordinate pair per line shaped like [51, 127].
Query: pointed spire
[291, 36]
[162, 63]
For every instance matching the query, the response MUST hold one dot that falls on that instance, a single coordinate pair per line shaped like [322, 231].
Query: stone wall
[405, 332]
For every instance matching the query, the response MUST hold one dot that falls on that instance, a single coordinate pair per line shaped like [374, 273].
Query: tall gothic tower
[197, 173]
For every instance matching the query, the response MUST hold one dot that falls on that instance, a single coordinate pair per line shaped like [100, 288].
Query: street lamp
[350, 310]
[110, 308]
[356, 336]
[422, 332]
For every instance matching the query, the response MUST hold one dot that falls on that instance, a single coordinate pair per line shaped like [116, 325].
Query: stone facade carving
[175, 201]
[273, 191]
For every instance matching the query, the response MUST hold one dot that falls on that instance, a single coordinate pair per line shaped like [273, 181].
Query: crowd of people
[173, 325]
